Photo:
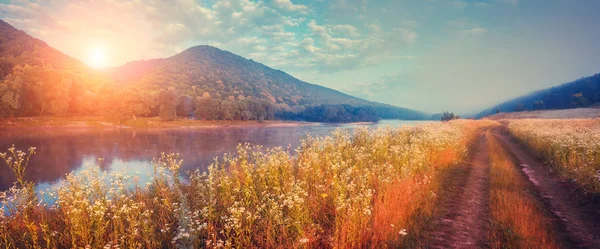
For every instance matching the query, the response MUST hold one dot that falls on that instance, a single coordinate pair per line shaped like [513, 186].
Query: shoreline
[143, 123]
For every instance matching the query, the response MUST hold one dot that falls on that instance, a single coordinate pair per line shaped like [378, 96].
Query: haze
[431, 55]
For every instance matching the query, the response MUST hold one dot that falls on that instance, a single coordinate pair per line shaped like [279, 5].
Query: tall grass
[366, 189]
[571, 146]
[518, 218]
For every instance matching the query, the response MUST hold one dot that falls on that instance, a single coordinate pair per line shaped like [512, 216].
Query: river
[61, 151]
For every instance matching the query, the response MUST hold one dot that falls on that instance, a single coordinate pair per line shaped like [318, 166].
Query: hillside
[202, 82]
[36, 79]
[549, 114]
[224, 76]
[580, 93]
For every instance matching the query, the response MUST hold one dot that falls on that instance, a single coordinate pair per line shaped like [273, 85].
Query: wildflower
[303, 241]
[324, 195]
[403, 232]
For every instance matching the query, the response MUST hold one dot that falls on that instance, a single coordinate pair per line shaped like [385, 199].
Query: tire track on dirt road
[581, 228]
[466, 221]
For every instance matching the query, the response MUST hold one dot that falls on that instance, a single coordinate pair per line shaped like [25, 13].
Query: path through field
[465, 225]
[581, 225]
[465, 221]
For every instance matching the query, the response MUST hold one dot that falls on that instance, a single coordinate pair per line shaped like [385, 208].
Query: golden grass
[571, 146]
[367, 189]
[518, 219]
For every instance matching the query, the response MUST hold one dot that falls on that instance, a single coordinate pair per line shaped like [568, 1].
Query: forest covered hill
[203, 82]
[580, 93]
[36, 79]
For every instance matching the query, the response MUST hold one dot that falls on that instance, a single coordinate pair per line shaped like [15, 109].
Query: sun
[97, 58]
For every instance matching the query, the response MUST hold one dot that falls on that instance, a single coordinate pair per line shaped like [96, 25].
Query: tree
[47, 90]
[539, 105]
[10, 94]
[447, 116]
[520, 107]
[214, 109]
[331, 113]
[133, 103]
[497, 110]
[203, 105]
[243, 111]
[107, 97]
[167, 104]
[227, 110]
[578, 100]
[88, 103]
[185, 105]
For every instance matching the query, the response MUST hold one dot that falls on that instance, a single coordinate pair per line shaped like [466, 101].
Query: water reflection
[61, 151]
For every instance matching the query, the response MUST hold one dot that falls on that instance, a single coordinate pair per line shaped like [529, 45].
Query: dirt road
[581, 225]
[465, 221]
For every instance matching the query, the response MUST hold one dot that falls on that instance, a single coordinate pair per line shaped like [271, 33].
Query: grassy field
[576, 113]
[518, 219]
[572, 146]
[369, 188]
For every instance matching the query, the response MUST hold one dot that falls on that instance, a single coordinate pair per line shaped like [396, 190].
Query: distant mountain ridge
[36, 79]
[580, 93]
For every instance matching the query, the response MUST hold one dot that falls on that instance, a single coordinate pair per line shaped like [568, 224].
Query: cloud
[346, 30]
[287, 5]
[459, 4]
[465, 27]
[339, 51]
[474, 31]
[348, 7]
[384, 83]
[274, 32]
[481, 4]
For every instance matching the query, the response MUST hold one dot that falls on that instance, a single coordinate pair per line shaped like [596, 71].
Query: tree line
[333, 113]
[578, 100]
[583, 92]
[45, 91]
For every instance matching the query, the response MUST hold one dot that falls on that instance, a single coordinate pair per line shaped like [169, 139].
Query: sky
[429, 55]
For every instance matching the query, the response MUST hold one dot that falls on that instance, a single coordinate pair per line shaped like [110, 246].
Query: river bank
[139, 123]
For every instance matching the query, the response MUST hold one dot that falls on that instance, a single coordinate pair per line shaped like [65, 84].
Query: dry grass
[367, 189]
[577, 113]
[518, 219]
[572, 147]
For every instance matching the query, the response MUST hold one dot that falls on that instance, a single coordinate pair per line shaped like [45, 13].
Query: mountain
[224, 74]
[579, 93]
[37, 79]
[206, 70]
[202, 81]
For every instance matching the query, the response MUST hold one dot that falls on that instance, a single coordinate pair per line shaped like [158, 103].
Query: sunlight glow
[97, 58]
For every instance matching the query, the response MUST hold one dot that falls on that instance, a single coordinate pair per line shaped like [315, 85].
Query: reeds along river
[63, 151]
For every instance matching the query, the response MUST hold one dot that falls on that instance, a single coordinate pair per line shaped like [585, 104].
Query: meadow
[571, 147]
[362, 189]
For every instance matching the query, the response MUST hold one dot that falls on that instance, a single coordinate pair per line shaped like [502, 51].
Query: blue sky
[430, 55]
